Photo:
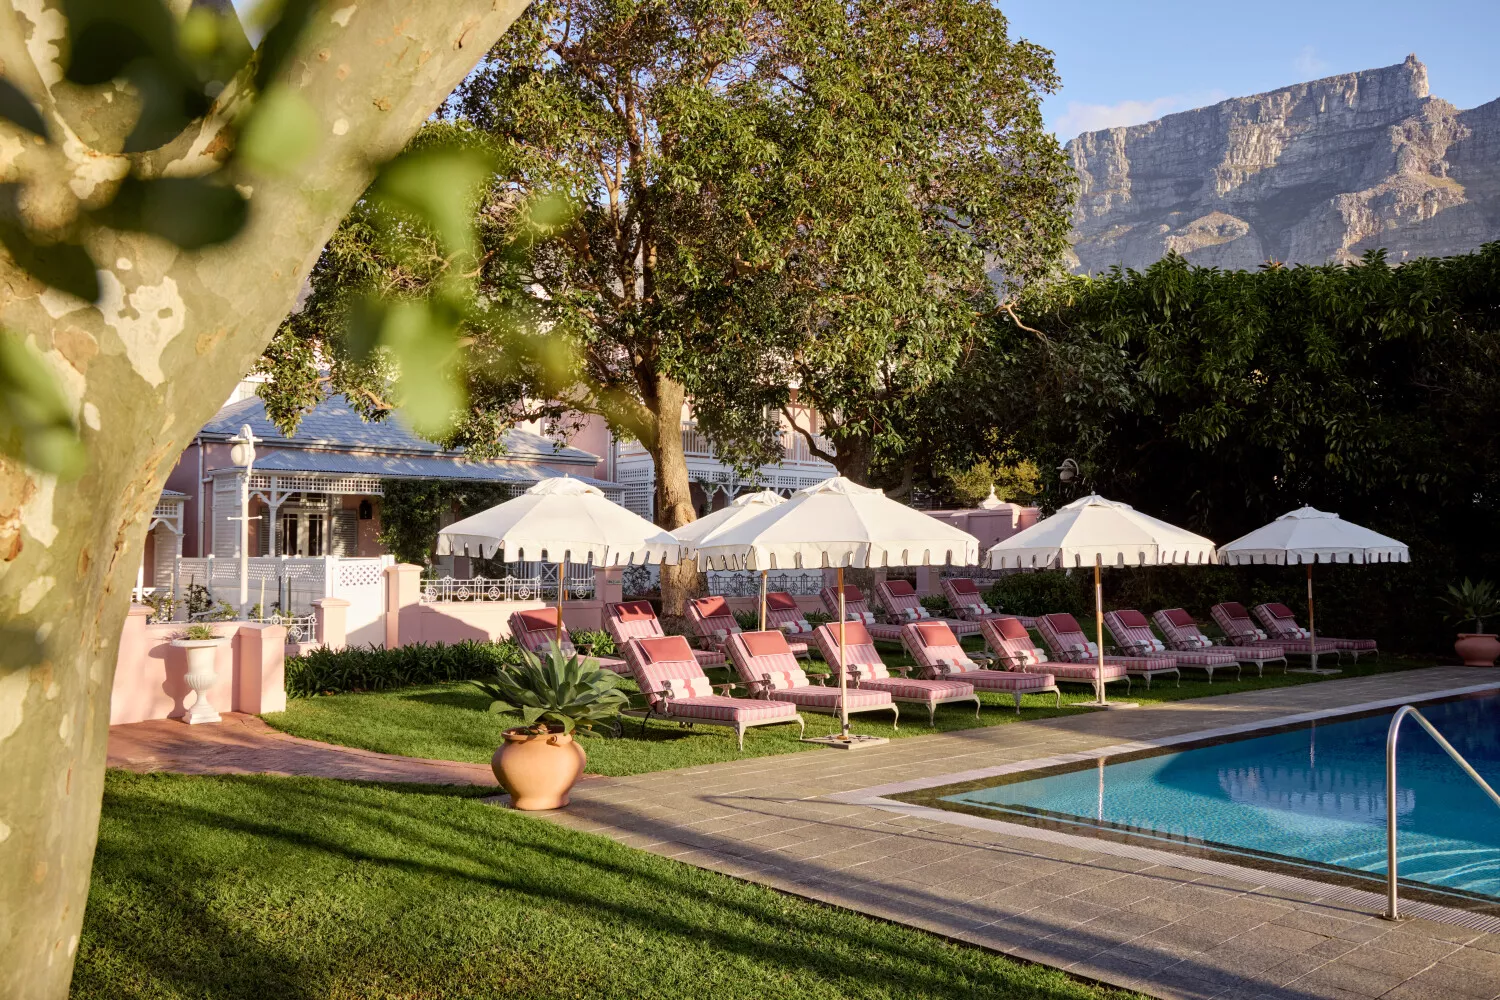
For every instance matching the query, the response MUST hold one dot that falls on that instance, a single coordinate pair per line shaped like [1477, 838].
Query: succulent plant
[557, 689]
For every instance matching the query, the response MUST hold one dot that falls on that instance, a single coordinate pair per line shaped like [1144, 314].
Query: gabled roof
[333, 425]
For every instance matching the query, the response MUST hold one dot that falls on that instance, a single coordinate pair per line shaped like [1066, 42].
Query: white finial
[991, 502]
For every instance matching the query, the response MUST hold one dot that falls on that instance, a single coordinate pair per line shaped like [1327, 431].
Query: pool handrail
[1392, 912]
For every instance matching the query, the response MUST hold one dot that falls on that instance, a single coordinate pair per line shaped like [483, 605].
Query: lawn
[451, 721]
[292, 888]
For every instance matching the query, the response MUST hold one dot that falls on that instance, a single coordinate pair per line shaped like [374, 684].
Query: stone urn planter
[538, 768]
[1477, 649]
[202, 673]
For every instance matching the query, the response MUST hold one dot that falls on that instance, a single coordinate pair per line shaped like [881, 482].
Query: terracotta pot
[1477, 650]
[538, 769]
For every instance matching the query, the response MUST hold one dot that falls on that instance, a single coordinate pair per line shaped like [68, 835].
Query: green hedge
[1042, 593]
[370, 668]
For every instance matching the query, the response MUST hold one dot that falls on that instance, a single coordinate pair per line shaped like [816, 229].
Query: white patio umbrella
[834, 525]
[740, 509]
[561, 520]
[1307, 536]
[1093, 531]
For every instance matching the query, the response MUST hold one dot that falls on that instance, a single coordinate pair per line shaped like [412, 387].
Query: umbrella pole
[843, 661]
[1099, 628]
[1312, 625]
[763, 600]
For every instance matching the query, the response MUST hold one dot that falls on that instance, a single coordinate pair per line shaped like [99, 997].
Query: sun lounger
[712, 621]
[968, 603]
[1132, 633]
[1240, 629]
[676, 690]
[864, 669]
[1065, 638]
[857, 610]
[900, 600]
[637, 620]
[536, 629]
[939, 656]
[1281, 623]
[1182, 633]
[1012, 645]
[784, 615]
[765, 663]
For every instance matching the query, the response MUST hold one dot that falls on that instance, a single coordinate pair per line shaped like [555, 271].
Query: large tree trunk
[143, 370]
[854, 456]
[674, 498]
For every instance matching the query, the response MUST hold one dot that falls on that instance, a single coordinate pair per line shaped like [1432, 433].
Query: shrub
[1041, 593]
[936, 604]
[595, 642]
[557, 692]
[816, 618]
[370, 668]
[748, 620]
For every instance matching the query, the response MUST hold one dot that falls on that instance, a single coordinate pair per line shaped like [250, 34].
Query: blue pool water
[1316, 794]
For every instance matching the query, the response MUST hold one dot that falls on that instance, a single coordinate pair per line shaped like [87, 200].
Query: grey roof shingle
[334, 424]
[344, 463]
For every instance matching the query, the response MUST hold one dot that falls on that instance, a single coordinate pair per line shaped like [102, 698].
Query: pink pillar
[927, 580]
[333, 618]
[609, 585]
[403, 590]
[260, 670]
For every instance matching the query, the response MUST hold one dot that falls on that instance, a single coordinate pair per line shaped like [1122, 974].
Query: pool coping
[878, 796]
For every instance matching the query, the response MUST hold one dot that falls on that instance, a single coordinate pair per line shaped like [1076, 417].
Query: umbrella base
[1104, 704]
[850, 742]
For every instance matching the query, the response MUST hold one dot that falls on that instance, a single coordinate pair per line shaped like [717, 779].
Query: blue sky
[1128, 62]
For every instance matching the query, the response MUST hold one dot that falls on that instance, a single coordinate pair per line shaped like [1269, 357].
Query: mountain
[1314, 172]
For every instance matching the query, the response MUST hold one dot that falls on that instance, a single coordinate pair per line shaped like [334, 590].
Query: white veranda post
[242, 454]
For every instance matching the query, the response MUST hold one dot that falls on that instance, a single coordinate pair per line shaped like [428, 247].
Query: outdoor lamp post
[242, 454]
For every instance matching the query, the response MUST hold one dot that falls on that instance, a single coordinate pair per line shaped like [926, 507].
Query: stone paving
[243, 744]
[1157, 928]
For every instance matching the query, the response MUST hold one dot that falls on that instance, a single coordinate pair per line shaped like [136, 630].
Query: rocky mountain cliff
[1319, 171]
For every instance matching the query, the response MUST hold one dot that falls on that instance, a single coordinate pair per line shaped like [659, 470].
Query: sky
[1123, 63]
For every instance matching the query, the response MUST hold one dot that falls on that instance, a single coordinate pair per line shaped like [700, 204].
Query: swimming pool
[1312, 796]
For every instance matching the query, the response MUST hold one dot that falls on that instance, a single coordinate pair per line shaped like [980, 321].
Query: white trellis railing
[744, 584]
[531, 582]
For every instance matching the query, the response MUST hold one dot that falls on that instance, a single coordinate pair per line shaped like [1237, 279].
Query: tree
[960, 195]
[758, 192]
[141, 361]
[1222, 399]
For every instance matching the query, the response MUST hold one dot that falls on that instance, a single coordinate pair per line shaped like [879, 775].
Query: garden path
[243, 744]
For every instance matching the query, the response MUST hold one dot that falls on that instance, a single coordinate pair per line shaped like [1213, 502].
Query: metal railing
[747, 584]
[299, 628]
[1392, 911]
[534, 586]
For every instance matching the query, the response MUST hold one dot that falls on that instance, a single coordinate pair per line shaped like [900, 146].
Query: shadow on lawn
[174, 910]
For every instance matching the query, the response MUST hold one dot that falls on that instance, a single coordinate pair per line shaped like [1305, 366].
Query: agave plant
[1472, 600]
[557, 689]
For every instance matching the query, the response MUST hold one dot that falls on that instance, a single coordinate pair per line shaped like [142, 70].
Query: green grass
[451, 721]
[293, 888]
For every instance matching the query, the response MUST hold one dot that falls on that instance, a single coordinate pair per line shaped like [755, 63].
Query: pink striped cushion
[917, 690]
[828, 697]
[1007, 680]
[732, 709]
[688, 687]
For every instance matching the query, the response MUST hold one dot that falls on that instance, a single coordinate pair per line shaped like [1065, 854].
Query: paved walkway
[243, 744]
[1162, 929]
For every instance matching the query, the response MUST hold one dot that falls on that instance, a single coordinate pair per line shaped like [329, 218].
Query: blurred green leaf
[17, 107]
[438, 187]
[192, 212]
[107, 36]
[422, 336]
[66, 266]
[281, 133]
[167, 106]
[34, 414]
